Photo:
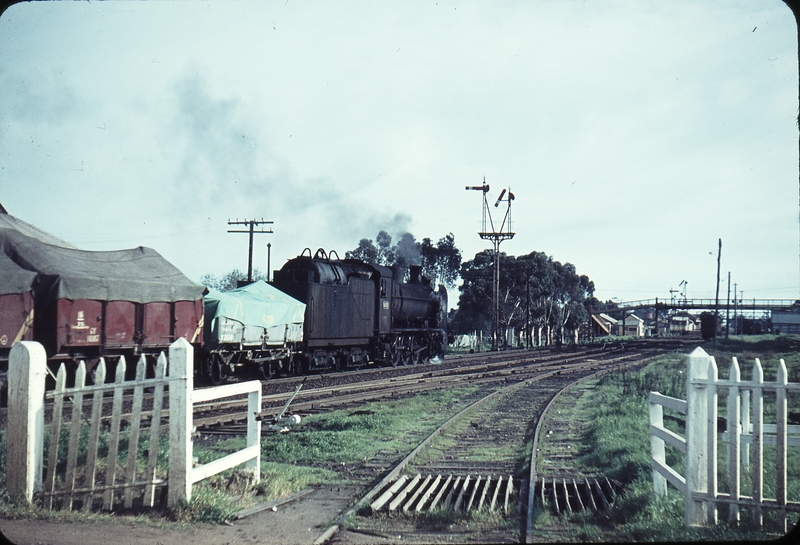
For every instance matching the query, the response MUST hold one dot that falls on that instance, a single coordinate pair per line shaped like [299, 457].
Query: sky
[633, 134]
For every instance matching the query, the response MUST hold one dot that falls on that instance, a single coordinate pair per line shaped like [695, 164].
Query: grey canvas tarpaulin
[13, 278]
[53, 269]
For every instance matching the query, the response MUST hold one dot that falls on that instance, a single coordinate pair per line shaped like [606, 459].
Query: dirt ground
[301, 521]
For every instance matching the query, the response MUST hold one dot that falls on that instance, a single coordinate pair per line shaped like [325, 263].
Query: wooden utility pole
[728, 308]
[252, 224]
[269, 265]
[716, 303]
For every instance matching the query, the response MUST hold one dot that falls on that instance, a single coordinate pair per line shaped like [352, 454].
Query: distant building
[785, 321]
[603, 325]
[634, 326]
[682, 323]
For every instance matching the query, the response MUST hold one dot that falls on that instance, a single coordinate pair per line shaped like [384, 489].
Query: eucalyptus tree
[440, 262]
[537, 294]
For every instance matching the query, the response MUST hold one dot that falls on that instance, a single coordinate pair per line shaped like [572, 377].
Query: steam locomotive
[357, 312]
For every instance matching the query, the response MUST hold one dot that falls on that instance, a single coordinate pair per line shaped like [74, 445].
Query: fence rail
[113, 478]
[745, 430]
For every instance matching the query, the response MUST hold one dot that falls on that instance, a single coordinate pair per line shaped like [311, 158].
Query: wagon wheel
[266, 370]
[215, 369]
[290, 367]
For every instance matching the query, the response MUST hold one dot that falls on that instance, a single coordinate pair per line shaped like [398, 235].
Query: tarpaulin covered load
[254, 314]
[31, 259]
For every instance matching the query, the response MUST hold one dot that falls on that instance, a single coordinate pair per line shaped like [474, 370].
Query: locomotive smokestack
[416, 274]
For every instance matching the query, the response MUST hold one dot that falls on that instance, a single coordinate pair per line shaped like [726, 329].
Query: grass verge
[617, 444]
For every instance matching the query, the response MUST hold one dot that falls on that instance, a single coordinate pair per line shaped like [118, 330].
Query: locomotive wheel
[394, 357]
[426, 356]
[405, 357]
[416, 356]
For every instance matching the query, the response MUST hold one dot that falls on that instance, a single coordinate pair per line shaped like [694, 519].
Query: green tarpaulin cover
[250, 313]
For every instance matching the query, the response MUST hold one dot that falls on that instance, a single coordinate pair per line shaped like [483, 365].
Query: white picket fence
[745, 428]
[110, 480]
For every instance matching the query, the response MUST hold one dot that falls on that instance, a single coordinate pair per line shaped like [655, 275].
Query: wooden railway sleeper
[566, 495]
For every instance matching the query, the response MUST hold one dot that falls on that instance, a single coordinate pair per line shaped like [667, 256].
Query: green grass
[350, 436]
[209, 504]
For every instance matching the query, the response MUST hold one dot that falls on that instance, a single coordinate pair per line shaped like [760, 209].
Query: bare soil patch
[299, 522]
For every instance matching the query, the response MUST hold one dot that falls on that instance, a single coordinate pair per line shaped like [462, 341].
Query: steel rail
[540, 421]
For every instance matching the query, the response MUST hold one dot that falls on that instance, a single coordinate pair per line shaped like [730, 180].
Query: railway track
[350, 389]
[328, 392]
[479, 460]
[481, 457]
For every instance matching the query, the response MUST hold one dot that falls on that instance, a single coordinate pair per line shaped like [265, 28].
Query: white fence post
[781, 414]
[27, 370]
[657, 450]
[181, 373]
[758, 442]
[734, 429]
[711, 444]
[254, 432]
[696, 436]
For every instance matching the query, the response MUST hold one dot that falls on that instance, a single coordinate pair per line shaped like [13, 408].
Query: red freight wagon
[16, 318]
[83, 305]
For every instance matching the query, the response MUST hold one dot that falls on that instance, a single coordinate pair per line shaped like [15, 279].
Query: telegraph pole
[269, 269]
[252, 224]
[728, 308]
[496, 236]
[716, 303]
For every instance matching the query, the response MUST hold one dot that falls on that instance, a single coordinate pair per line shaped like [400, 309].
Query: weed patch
[208, 504]
[351, 436]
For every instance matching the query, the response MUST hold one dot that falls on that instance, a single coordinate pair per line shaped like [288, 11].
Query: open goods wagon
[83, 305]
[253, 328]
